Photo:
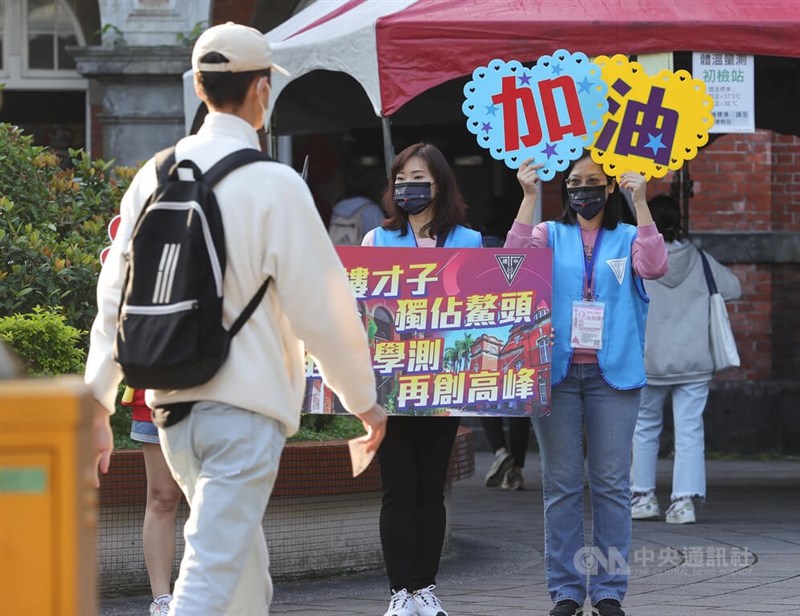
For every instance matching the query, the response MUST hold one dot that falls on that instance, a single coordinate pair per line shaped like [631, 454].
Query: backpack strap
[441, 238]
[712, 285]
[233, 161]
[249, 309]
[219, 170]
[165, 159]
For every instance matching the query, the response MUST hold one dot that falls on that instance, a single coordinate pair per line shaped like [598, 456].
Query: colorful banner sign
[653, 124]
[549, 112]
[452, 332]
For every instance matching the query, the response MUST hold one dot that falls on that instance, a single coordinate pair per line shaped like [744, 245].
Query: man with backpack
[283, 287]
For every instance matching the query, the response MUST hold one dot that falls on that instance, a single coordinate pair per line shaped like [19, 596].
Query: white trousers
[689, 469]
[225, 460]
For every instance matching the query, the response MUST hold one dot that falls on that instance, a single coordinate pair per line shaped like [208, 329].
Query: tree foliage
[53, 224]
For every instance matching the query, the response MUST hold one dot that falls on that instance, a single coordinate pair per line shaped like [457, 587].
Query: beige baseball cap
[245, 48]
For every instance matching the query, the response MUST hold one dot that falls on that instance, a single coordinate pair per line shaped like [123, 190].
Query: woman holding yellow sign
[599, 312]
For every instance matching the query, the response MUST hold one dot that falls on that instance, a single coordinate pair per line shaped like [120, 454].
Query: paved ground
[741, 558]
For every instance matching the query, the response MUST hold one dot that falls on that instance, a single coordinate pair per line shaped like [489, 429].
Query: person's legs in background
[158, 529]
[503, 459]
[689, 471]
[649, 422]
[519, 431]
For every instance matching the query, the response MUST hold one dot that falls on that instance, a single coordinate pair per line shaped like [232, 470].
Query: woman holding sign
[425, 210]
[599, 312]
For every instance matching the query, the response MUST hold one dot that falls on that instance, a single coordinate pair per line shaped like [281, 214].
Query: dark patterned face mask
[587, 200]
[413, 197]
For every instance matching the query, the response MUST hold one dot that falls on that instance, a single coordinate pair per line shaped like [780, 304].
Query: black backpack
[169, 330]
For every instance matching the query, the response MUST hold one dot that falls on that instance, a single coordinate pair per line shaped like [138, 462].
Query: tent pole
[388, 148]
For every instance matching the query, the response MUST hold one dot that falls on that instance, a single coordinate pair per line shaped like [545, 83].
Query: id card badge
[587, 325]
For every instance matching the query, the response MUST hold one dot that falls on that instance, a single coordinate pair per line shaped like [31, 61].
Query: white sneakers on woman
[645, 506]
[402, 604]
[422, 603]
[681, 511]
[427, 603]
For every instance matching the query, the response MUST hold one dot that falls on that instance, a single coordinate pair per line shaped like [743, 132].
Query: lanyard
[588, 262]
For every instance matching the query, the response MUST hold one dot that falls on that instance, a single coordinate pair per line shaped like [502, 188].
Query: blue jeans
[689, 470]
[584, 399]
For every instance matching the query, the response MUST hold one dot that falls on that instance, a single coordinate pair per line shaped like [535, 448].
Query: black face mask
[587, 200]
[413, 197]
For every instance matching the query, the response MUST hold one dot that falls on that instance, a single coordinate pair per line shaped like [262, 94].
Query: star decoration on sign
[584, 85]
[655, 143]
[486, 127]
[557, 69]
[525, 80]
[491, 109]
[550, 150]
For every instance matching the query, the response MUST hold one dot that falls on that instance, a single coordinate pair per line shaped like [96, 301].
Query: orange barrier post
[48, 508]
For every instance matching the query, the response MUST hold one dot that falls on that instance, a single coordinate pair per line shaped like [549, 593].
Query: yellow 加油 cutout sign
[653, 123]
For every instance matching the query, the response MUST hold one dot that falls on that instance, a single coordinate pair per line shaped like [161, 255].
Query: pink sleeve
[649, 254]
[522, 235]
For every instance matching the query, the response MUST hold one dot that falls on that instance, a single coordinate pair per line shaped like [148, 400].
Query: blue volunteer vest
[459, 237]
[621, 359]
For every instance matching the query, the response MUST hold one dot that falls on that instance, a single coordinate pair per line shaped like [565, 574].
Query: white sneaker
[645, 506]
[502, 462]
[681, 511]
[402, 604]
[160, 605]
[427, 603]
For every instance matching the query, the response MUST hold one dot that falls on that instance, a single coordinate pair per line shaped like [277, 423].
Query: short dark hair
[612, 211]
[449, 206]
[667, 216]
[226, 89]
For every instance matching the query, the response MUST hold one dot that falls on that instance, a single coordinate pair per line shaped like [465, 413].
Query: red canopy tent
[398, 49]
[433, 41]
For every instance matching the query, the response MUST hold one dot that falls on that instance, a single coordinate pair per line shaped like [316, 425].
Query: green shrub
[44, 342]
[52, 227]
[328, 428]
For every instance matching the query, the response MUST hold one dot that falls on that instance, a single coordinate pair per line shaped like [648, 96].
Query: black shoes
[567, 607]
[605, 607]
[608, 607]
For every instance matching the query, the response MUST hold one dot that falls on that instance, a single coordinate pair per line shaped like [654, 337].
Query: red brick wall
[785, 182]
[751, 320]
[786, 321]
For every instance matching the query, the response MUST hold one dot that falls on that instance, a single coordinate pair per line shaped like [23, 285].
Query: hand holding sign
[528, 178]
